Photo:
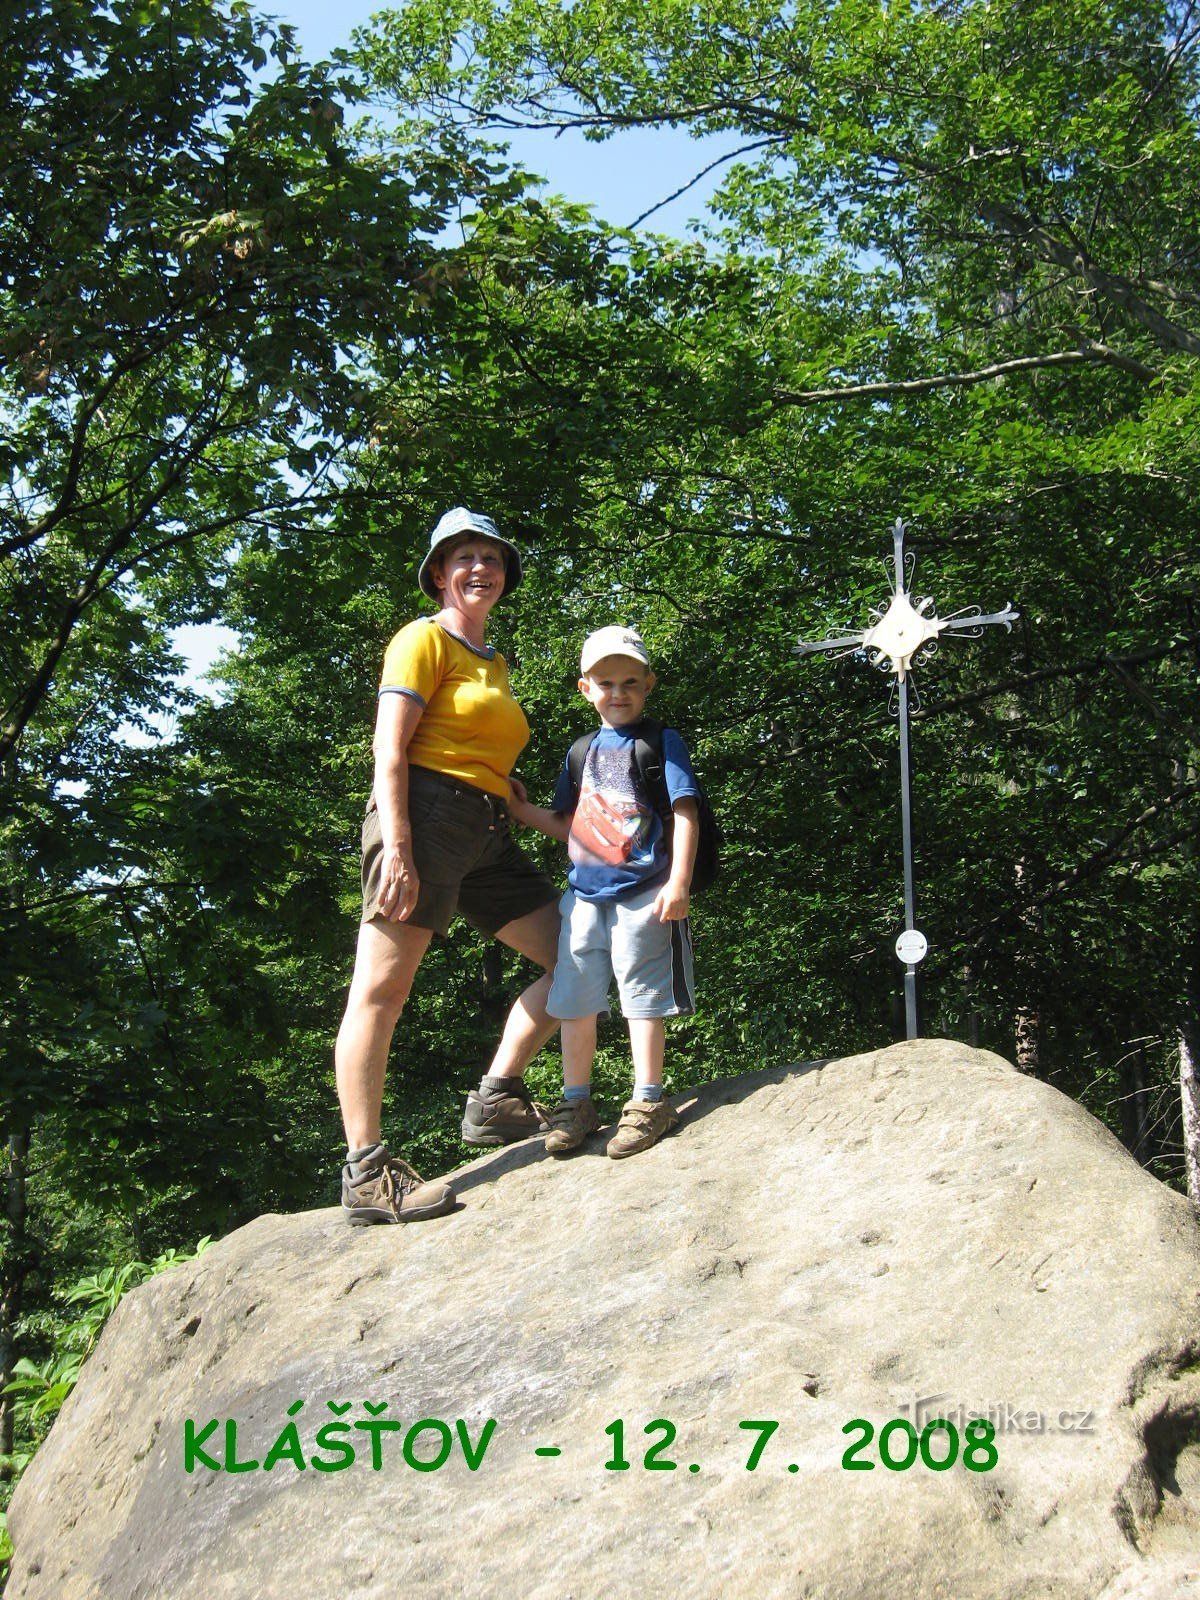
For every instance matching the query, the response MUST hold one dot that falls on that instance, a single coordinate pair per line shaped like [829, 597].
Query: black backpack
[647, 744]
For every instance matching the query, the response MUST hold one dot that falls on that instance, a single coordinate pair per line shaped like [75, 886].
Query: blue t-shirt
[616, 844]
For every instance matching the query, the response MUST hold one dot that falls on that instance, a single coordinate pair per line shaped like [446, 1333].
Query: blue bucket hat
[452, 526]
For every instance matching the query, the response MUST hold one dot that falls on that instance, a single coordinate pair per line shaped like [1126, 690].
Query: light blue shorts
[603, 939]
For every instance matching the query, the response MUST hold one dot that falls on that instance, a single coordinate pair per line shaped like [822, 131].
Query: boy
[625, 911]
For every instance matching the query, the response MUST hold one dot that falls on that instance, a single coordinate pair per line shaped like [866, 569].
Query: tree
[971, 147]
[197, 261]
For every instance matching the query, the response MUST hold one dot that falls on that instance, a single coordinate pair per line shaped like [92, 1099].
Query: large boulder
[916, 1233]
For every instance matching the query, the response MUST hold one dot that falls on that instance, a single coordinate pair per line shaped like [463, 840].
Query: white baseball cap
[612, 641]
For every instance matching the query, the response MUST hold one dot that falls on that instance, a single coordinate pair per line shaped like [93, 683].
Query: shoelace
[397, 1178]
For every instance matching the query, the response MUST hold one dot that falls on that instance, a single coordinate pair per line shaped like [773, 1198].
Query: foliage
[200, 263]
[970, 146]
[41, 1388]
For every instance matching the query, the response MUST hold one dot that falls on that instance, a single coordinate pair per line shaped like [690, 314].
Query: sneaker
[570, 1123]
[502, 1116]
[643, 1123]
[388, 1190]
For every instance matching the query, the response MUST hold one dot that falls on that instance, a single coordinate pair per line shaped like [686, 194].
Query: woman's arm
[395, 723]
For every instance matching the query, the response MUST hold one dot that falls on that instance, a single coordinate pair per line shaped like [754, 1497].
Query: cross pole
[897, 635]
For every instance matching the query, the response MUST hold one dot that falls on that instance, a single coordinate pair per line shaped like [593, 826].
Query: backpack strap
[577, 756]
[648, 751]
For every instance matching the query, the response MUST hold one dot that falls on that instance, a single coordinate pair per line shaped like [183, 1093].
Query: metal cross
[898, 633]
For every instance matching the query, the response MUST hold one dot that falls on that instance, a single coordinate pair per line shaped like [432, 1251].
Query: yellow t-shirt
[471, 728]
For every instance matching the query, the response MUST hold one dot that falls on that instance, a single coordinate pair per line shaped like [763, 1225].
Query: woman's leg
[500, 1110]
[389, 954]
[528, 1025]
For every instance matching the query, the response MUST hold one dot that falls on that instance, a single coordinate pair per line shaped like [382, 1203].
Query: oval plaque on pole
[911, 946]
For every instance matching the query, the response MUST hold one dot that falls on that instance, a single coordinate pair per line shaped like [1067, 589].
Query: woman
[436, 840]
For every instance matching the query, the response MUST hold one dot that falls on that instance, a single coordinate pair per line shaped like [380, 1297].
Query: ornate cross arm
[846, 644]
[970, 623]
[902, 629]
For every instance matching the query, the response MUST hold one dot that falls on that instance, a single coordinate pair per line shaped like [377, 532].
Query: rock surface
[911, 1233]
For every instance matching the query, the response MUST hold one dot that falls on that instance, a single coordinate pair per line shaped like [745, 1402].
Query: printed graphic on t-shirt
[611, 824]
[617, 844]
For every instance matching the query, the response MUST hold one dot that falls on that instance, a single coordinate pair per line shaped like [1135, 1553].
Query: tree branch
[1074, 669]
[1099, 861]
[1090, 352]
[1170, 334]
[1160, 713]
[732, 155]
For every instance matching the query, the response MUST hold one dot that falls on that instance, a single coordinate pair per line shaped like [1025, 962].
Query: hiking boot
[643, 1123]
[501, 1115]
[570, 1123]
[388, 1190]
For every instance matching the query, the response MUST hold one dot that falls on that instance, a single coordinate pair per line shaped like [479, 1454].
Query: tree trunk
[15, 1265]
[1189, 1078]
[1028, 1039]
[1027, 1023]
[1136, 1106]
[968, 990]
[1189, 1031]
[1189, 1091]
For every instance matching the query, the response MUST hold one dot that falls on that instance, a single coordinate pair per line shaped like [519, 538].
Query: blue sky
[622, 178]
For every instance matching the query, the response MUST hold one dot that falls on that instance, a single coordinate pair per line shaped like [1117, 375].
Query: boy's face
[617, 687]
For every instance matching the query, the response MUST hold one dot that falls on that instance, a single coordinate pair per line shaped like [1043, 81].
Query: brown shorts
[466, 858]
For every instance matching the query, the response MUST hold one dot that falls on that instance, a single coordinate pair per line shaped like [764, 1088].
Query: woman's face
[470, 575]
